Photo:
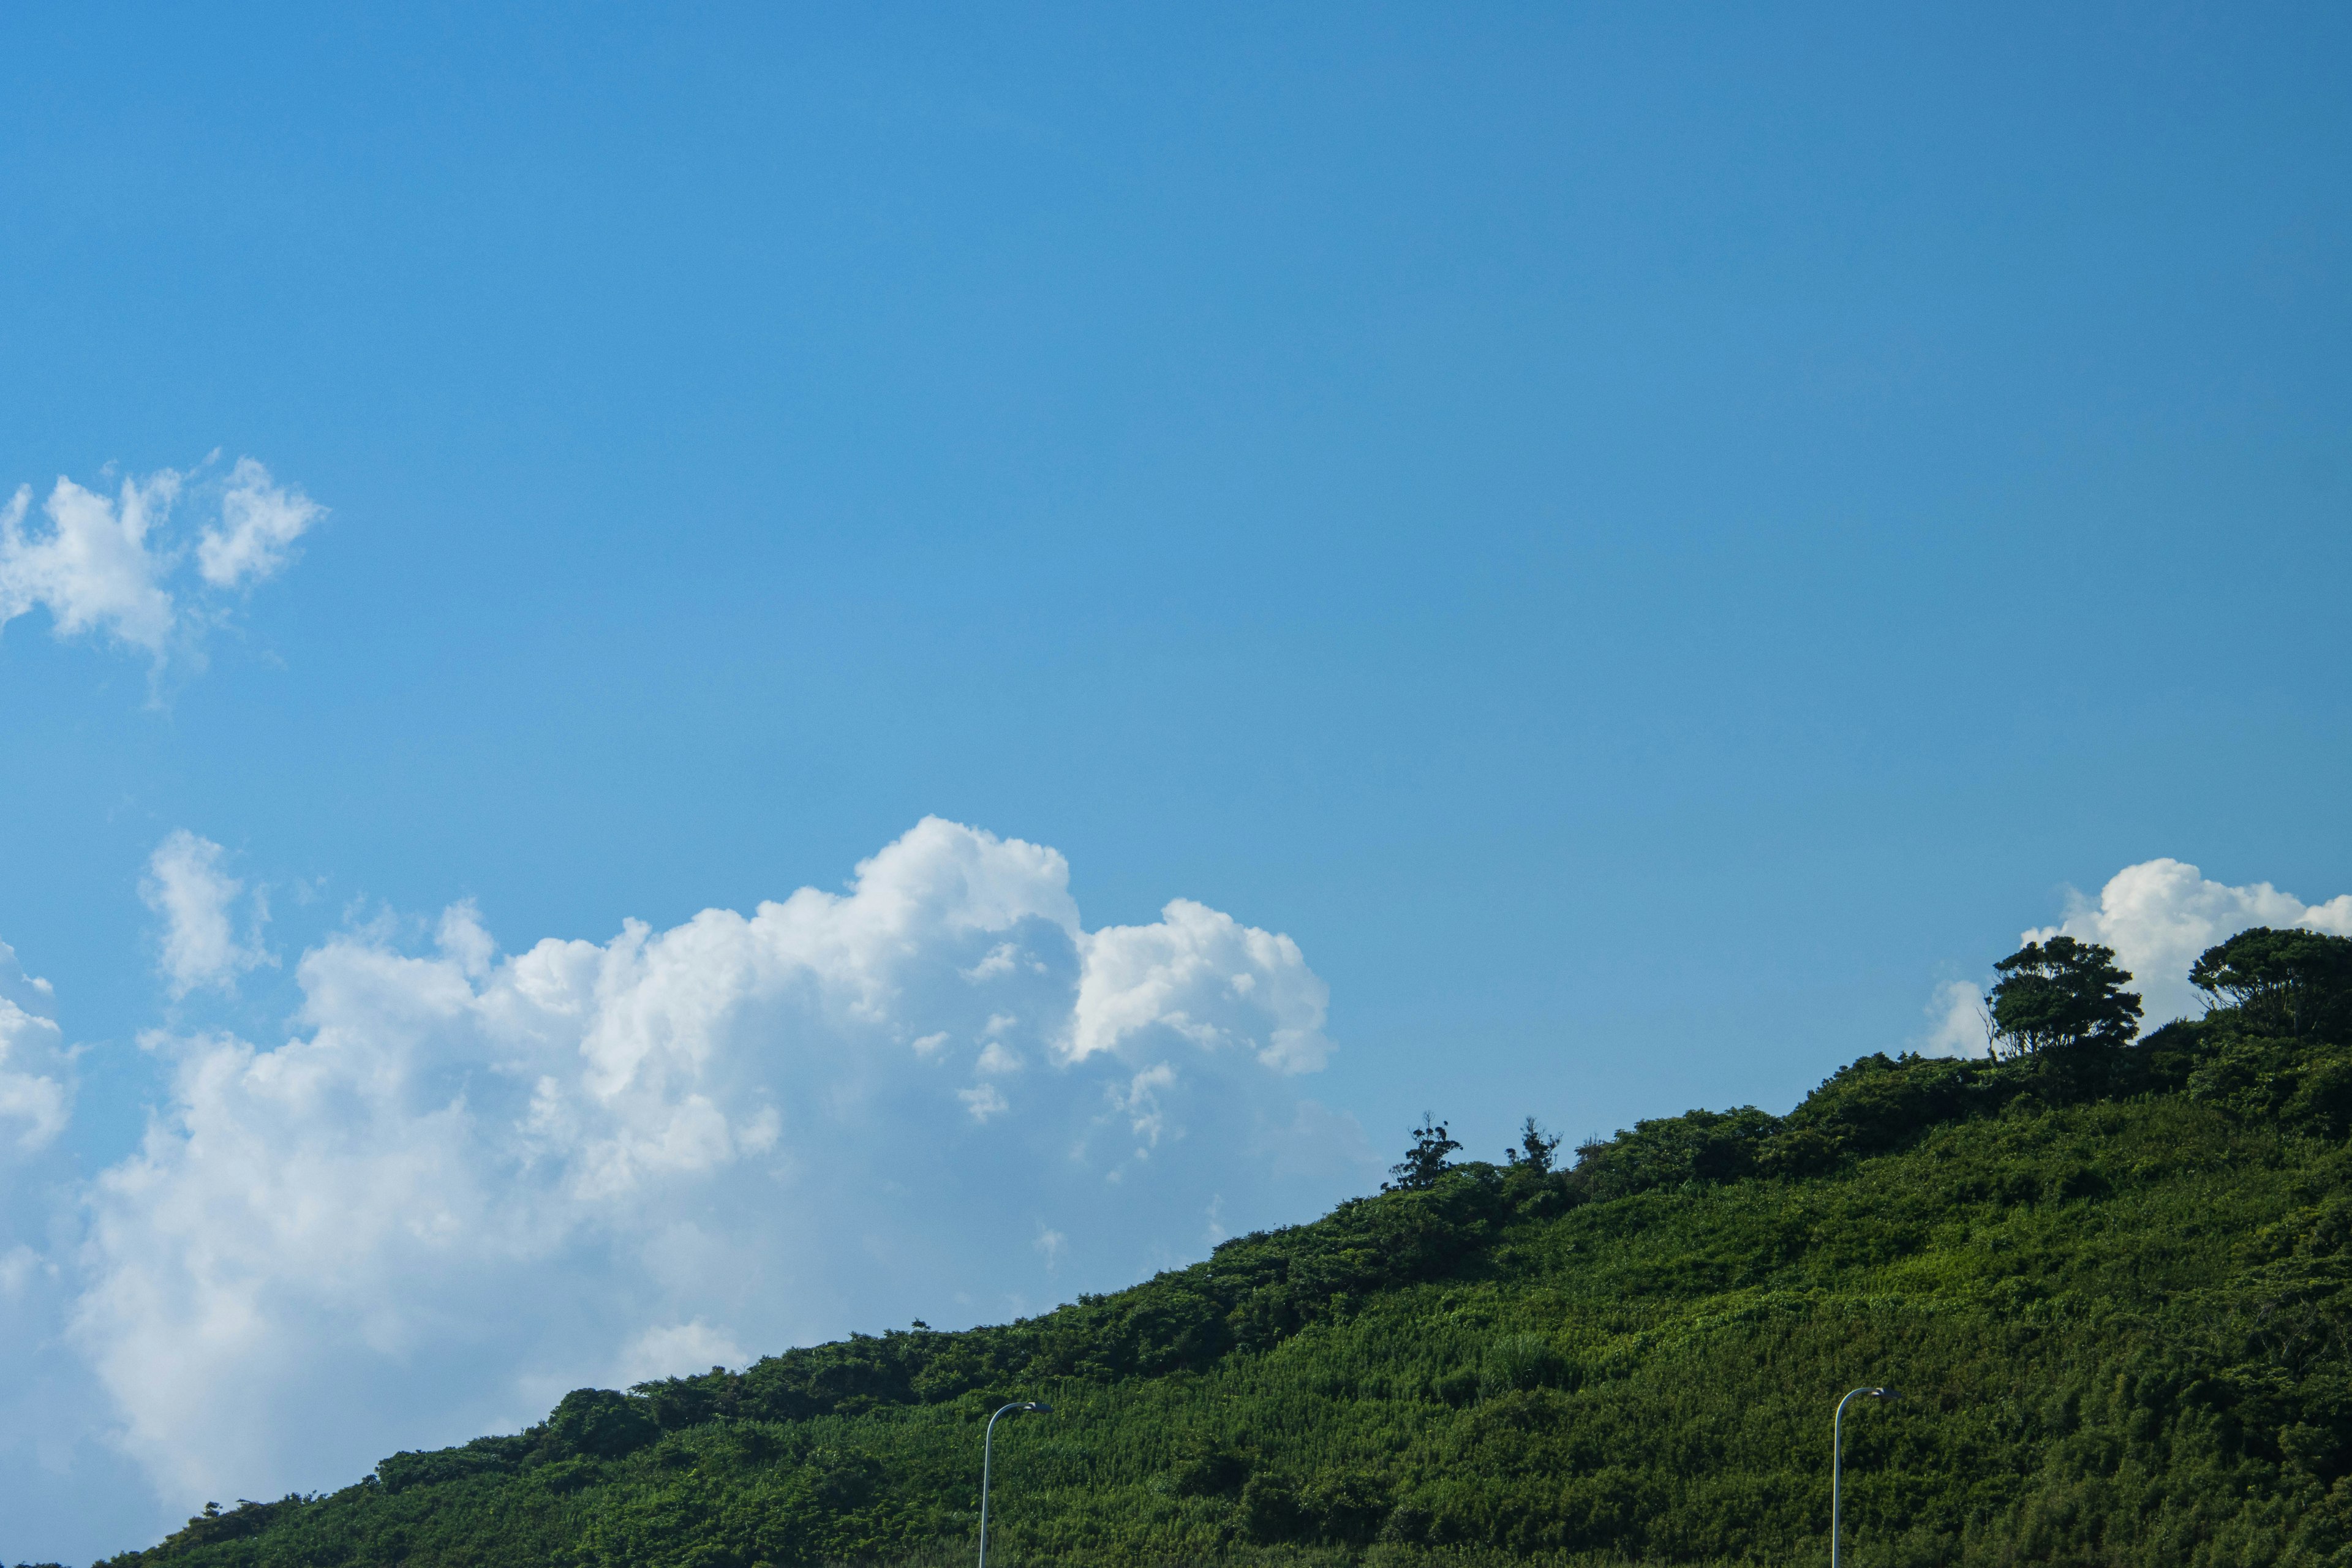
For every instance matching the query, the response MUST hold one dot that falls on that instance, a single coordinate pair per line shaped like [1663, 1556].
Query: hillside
[2110, 1277]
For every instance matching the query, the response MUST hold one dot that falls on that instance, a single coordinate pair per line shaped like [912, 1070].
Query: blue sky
[1644, 542]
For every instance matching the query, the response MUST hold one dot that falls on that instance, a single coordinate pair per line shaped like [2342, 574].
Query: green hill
[2109, 1276]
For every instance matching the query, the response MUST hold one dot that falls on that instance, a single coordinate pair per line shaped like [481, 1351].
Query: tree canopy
[1425, 1160]
[2295, 980]
[1535, 1148]
[2061, 993]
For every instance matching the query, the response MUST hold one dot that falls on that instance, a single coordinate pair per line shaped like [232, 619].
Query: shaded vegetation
[2112, 1277]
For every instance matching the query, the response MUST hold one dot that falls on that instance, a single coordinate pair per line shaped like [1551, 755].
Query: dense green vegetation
[2108, 1274]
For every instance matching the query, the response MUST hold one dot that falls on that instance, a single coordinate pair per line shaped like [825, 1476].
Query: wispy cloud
[35, 1083]
[1956, 1022]
[1050, 1245]
[187, 885]
[259, 522]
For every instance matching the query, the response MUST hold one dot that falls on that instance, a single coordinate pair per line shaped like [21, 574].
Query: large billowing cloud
[470, 1181]
[110, 566]
[2158, 915]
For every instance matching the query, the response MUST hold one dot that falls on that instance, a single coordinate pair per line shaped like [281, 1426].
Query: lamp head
[1884, 1393]
[1040, 1407]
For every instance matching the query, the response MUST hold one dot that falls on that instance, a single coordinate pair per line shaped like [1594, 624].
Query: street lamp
[1837, 1423]
[985, 1442]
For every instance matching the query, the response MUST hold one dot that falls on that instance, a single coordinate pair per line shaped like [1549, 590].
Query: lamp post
[1837, 1424]
[986, 1442]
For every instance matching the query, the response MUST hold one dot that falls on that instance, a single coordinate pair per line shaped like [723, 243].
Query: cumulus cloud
[187, 885]
[472, 1178]
[1204, 977]
[2160, 914]
[111, 566]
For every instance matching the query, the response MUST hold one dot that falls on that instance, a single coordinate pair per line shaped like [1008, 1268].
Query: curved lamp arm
[1837, 1424]
[987, 1442]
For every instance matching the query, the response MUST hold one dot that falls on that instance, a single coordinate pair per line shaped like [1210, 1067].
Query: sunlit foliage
[2111, 1277]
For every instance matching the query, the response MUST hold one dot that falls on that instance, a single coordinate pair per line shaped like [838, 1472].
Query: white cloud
[35, 1084]
[186, 885]
[1139, 1102]
[1050, 1245]
[1204, 977]
[471, 1181]
[1956, 1022]
[464, 941]
[94, 570]
[260, 523]
[62, 1481]
[107, 566]
[2160, 914]
[983, 1100]
[676, 1350]
[18, 1266]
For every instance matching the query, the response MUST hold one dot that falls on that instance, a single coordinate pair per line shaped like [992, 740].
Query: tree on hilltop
[2299, 981]
[1534, 1149]
[2061, 993]
[1427, 1160]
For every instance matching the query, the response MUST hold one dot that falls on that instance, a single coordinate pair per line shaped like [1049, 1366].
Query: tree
[1535, 1148]
[2061, 993]
[1425, 1160]
[2297, 980]
[600, 1423]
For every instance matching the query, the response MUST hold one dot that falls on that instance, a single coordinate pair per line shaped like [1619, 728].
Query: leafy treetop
[1535, 1148]
[2300, 980]
[2059, 993]
[1427, 1160]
